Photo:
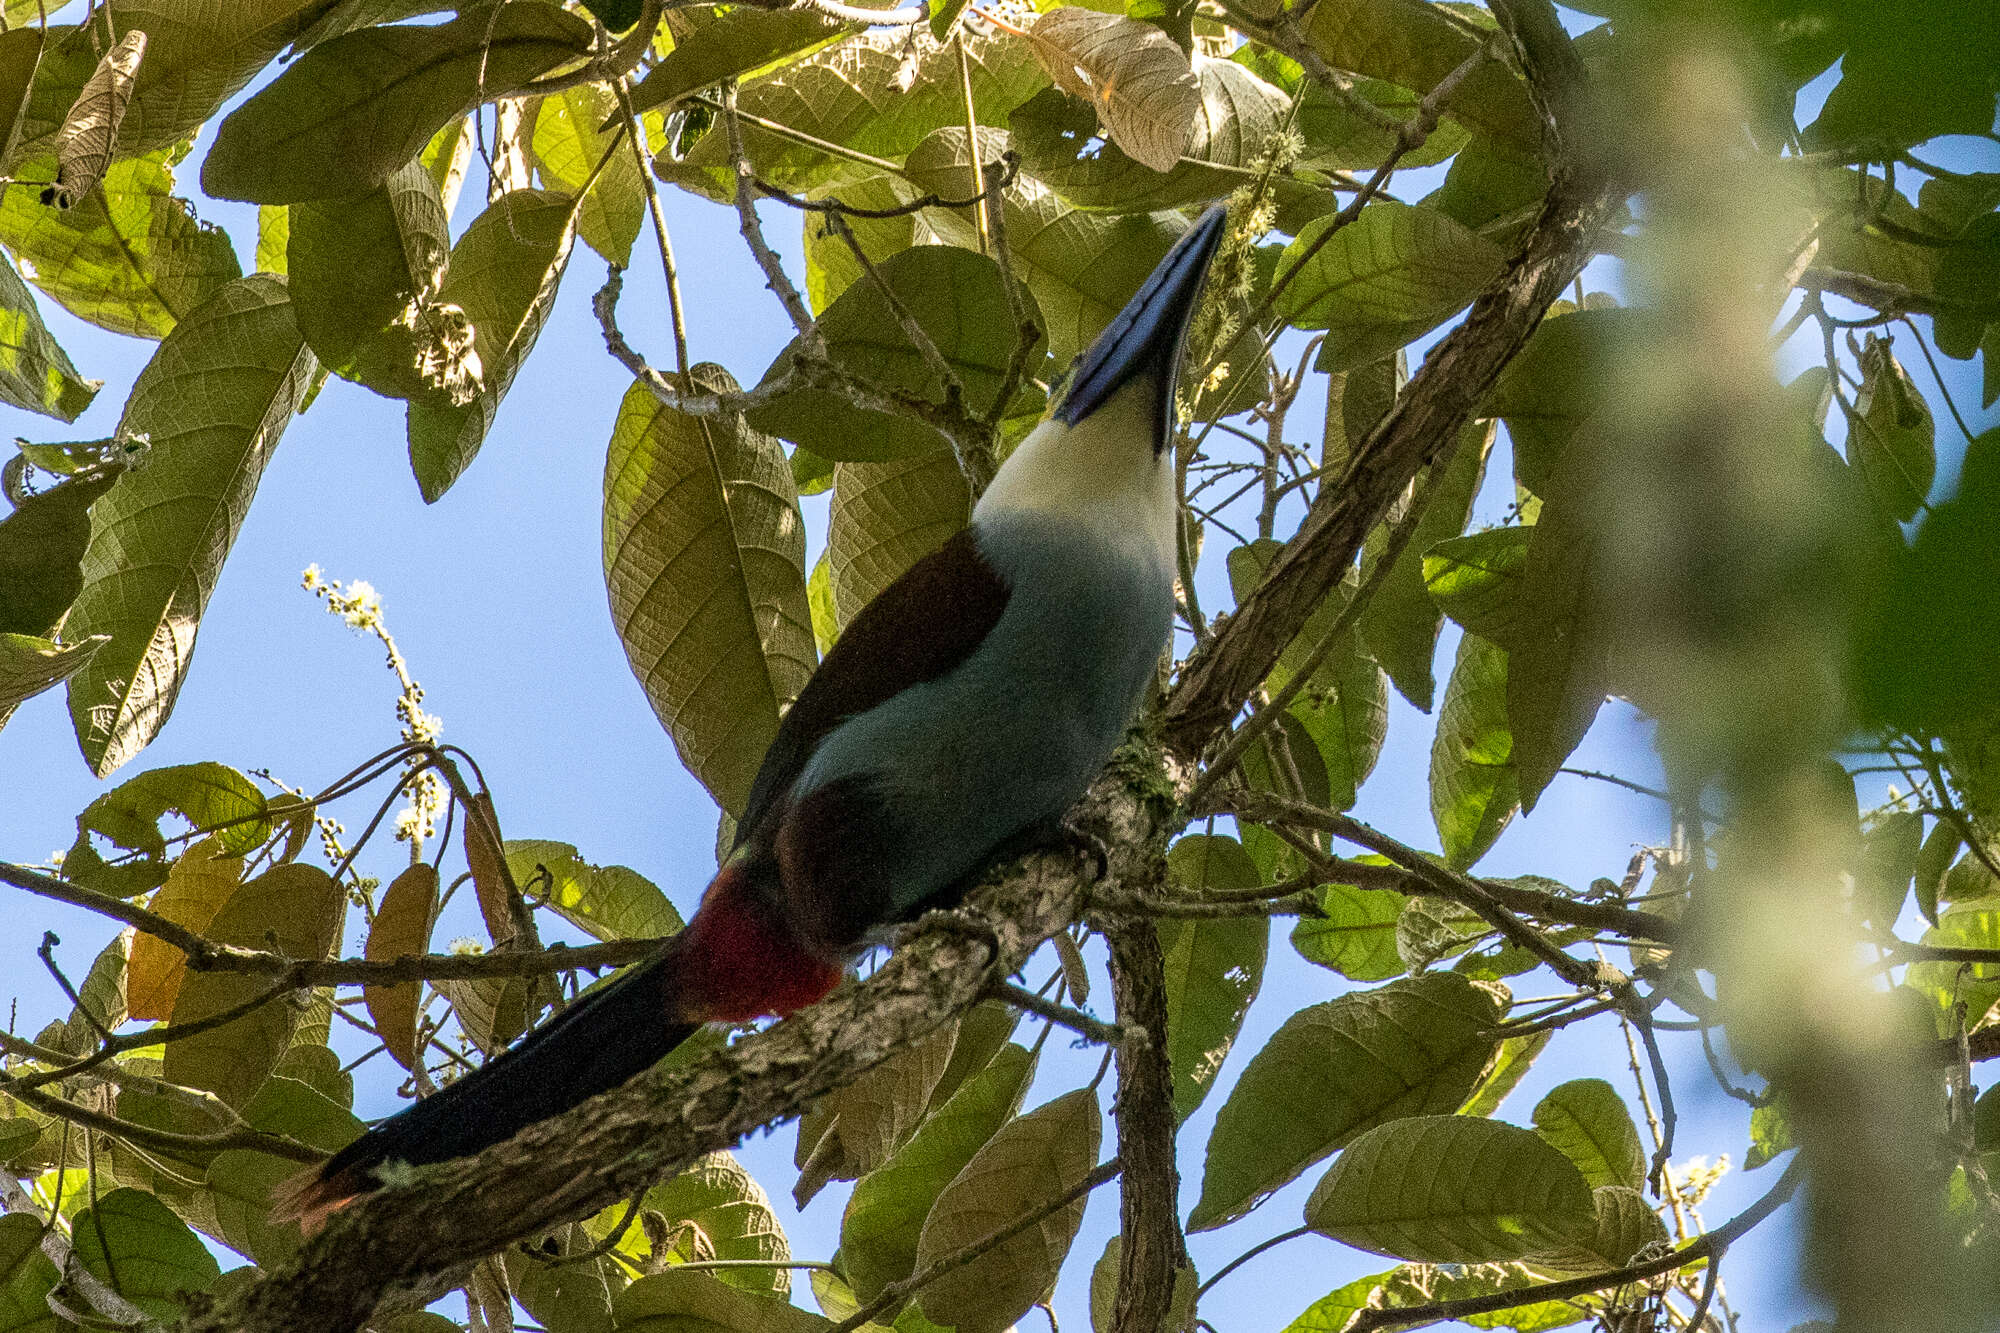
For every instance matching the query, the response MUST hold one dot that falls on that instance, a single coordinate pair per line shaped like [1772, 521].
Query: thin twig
[1090, 1029]
[652, 191]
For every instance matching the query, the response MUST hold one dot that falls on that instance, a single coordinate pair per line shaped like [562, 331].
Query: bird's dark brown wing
[916, 629]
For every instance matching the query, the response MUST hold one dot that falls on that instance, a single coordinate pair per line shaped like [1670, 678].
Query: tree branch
[1220, 676]
[1153, 1252]
[602, 1152]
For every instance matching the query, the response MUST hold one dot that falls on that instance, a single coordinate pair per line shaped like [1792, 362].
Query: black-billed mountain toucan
[960, 714]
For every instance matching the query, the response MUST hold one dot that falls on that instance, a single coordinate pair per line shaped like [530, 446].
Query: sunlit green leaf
[206, 795]
[35, 372]
[1139, 81]
[1626, 1224]
[1476, 580]
[1474, 792]
[713, 1210]
[1355, 934]
[129, 256]
[133, 1244]
[503, 276]
[1335, 1069]
[725, 641]
[1395, 273]
[609, 902]
[886, 517]
[569, 145]
[1586, 1120]
[352, 110]
[1452, 1189]
[1030, 1163]
[211, 404]
[1213, 966]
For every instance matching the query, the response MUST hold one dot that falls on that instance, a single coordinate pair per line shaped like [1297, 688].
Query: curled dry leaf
[402, 926]
[1143, 86]
[90, 131]
[489, 869]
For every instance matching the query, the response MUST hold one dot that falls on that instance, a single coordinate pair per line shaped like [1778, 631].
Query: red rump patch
[740, 963]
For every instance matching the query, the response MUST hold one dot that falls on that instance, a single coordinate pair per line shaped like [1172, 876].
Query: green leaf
[1237, 114]
[729, 41]
[350, 111]
[1586, 1120]
[295, 908]
[274, 237]
[1031, 1162]
[726, 641]
[831, 267]
[26, 1277]
[132, 1243]
[1933, 864]
[211, 403]
[1977, 985]
[1104, 1291]
[673, 1302]
[1509, 1067]
[1557, 674]
[1347, 725]
[1476, 580]
[871, 94]
[41, 553]
[1452, 1189]
[1395, 273]
[1355, 934]
[1337, 138]
[1560, 380]
[364, 276]
[1893, 444]
[1213, 967]
[1425, 1284]
[503, 275]
[886, 517]
[607, 902]
[574, 1296]
[236, 1205]
[1625, 1225]
[128, 256]
[31, 665]
[1770, 1136]
[1336, 1069]
[1888, 862]
[206, 795]
[1412, 44]
[957, 298]
[714, 1210]
[1906, 78]
[855, 1129]
[1140, 82]
[568, 145]
[825, 613]
[35, 372]
[1332, 1312]
[1474, 792]
[1400, 625]
[885, 1214]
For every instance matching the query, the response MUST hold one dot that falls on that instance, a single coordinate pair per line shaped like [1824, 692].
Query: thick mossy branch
[604, 1151]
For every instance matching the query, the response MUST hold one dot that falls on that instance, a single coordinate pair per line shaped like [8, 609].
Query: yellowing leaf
[1142, 85]
[295, 908]
[197, 886]
[402, 927]
[704, 556]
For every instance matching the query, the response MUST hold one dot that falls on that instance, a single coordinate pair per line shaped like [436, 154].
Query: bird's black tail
[611, 1034]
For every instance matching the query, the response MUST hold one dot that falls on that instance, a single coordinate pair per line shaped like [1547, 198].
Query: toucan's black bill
[1146, 336]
